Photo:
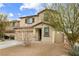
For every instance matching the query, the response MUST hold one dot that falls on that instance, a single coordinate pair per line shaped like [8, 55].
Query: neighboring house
[36, 28]
[10, 32]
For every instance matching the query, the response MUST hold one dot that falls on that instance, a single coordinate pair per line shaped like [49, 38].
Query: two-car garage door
[24, 35]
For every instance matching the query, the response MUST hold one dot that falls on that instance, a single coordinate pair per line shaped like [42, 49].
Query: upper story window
[45, 17]
[13, 24]
[29, 21]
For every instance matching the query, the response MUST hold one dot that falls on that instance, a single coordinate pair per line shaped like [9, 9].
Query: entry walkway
[9, 43]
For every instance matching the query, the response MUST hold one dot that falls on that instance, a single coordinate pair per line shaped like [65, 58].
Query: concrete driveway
[9, 43]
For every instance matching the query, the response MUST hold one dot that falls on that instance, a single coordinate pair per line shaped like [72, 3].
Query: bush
[27, 43]
[74, 51]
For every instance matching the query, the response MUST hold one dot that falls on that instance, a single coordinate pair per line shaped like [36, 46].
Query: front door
[39, 34]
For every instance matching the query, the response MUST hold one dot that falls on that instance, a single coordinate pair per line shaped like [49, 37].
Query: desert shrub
[27, 43]
[74, 51]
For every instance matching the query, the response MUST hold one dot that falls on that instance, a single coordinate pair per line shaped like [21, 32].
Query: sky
[16, 10]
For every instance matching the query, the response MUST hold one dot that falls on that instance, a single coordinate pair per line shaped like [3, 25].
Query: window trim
[45, 17]
[26, 21]
[13, 24]
[46, 34]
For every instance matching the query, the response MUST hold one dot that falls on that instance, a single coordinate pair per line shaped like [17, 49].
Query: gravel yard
[35, 49]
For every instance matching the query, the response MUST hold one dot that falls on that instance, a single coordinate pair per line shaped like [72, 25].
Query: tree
[65, 19]
[3, 25]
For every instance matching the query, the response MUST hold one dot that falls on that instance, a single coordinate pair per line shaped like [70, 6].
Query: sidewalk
[8, 43]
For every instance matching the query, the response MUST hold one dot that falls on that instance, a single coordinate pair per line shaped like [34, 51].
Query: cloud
[29, 6]
[1, 5]
[19, 14]
[36, 6]
[11, 15]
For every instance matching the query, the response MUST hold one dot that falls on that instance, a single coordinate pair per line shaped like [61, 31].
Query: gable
[39, 25]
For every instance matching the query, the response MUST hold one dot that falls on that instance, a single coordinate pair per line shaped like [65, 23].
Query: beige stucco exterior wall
[17, 24]
[9, 27]
[22, 22]
[59, 37]
[35, 32]
[54, 36]
[45, 39]
[38, 18]
[21, 34]
[50, 38]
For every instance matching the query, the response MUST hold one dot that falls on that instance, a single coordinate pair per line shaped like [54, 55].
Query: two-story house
[36, 28]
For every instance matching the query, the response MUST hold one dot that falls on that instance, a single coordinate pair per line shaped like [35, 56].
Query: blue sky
[16, 10]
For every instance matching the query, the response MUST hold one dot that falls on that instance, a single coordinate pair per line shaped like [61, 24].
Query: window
[33, 20]
[25, 20]
[29, 21]
[46, 31]
[45, 17]
[13, 24]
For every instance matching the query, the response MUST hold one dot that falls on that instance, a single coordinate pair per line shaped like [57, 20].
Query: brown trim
[22, 27]
[25, 31]
[32, 26]
[41, 23]
[37, 24]
[9, 31]
[44, 10]
[28, 16]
